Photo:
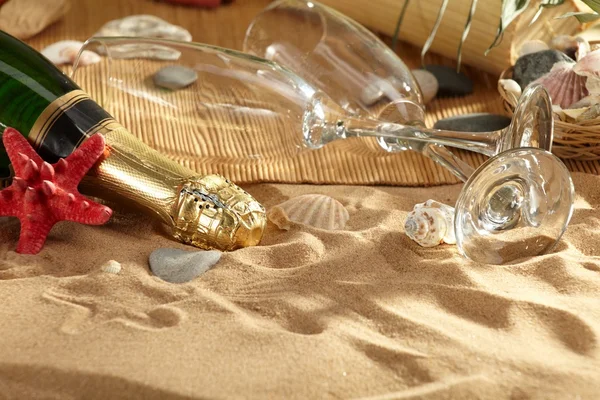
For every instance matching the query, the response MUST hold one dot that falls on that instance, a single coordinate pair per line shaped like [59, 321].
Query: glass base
[516, 205]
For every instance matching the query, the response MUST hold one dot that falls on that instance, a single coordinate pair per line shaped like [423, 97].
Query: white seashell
[532, 46]
[430, 224]
[145, 26]
[512, 89]
[427, 82]
[589, 66]
[315, 210]
[564, 85]
[112, 267]
[65, 52]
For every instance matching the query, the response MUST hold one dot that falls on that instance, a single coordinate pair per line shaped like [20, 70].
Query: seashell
[574, 47]
[587, 101]
[65, 52]
[112, 267]
[430, 224]
[590, 113]
[589, 66]
[26, 18]
[568, 114]
[315, 210]
[146, 26]
[427, 82]
[532, 46]
[564, 85]
[512, 89]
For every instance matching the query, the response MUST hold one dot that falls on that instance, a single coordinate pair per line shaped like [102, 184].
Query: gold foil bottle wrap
[205, 211]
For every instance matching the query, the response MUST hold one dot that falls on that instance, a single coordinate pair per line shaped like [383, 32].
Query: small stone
[481, 122]
[427, 82]
[175, 77]
[450, 82]
[532, 66]
[180, 266]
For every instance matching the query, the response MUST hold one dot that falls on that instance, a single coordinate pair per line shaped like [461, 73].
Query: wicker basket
[575, 141]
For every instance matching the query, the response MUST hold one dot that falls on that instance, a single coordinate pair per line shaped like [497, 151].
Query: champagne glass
[366, 78]
[359, 72]
[241, 107]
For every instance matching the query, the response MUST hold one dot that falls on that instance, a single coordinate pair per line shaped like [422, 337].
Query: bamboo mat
[356, 161]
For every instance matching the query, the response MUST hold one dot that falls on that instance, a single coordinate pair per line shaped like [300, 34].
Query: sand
[362, 313]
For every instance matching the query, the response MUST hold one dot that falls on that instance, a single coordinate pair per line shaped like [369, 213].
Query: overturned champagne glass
[366, 78]
[240, 107]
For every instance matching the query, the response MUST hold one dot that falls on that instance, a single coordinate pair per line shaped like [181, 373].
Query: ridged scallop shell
[564, 85]
[65, 52]
[315, 210]
[430, 224]
[532, 46]
[111, 267]
[589, 66]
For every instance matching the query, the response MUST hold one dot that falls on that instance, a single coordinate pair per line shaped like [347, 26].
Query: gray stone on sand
[532, 66]
[175, 77]
[481, 122]
[450, 83]
[180, 266]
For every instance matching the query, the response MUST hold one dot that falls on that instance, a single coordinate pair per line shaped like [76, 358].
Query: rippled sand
[363, 313]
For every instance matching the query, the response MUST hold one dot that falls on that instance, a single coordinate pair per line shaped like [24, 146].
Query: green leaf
[438, 21]
[593, 4]
[511, 9]
[582, 17]
[398, 23]
[545, 4]
[465, 34]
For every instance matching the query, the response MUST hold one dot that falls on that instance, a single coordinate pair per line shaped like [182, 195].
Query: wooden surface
[225, 27]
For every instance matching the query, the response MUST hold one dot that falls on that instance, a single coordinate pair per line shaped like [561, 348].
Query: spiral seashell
[65, 52]
[111, 267]
[564, 85]
[430, 224]
[532, 46]
[315, 210]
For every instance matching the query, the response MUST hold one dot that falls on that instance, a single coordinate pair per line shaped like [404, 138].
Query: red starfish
[42, 194]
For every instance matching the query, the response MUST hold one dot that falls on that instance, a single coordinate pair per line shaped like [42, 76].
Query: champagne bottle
[56, 116]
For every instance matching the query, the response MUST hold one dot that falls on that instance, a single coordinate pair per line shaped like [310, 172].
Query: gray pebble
[427, 82]
[532, 66]
[450, 83]
[175, 77]
[180, 266]
[481, 122]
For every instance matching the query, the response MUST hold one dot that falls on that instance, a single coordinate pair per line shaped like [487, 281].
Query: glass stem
[448, 160]
[486, 143]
